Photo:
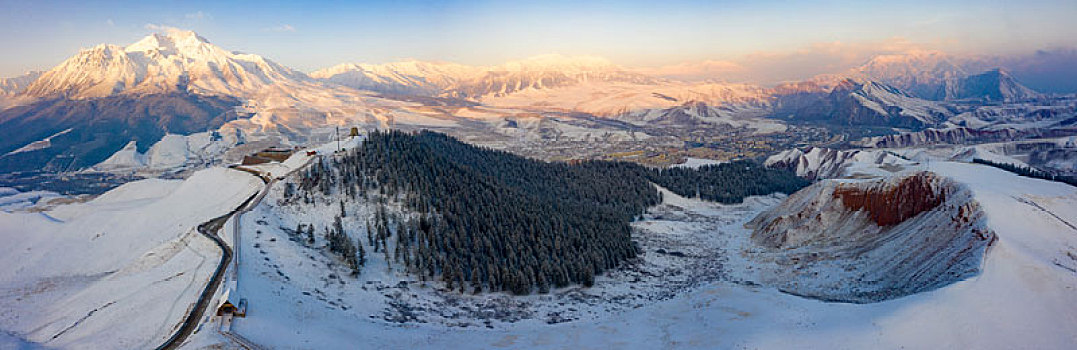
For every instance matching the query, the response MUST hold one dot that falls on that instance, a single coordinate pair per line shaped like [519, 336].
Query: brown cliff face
[890, 205]
[874, 240]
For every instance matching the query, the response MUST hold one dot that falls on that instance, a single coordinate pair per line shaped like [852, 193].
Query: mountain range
[166, 75]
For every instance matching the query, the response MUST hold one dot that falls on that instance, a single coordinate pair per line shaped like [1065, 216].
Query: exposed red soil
[890, 205]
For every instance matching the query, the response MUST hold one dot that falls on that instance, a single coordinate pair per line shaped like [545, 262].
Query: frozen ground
[694, 287]
[695, 163]
[119, 272]
[116, 272]
[12, 200]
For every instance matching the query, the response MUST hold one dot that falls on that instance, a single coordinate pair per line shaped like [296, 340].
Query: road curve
[190, 322]
[210, 229]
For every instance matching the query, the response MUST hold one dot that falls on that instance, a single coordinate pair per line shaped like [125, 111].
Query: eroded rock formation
[868, 241]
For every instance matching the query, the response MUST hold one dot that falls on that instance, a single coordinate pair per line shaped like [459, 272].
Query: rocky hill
[874, 240]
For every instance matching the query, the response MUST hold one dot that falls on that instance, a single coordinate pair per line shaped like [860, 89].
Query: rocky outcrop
[891, 205]
[944, 136]
[870, 241]
[816, 163]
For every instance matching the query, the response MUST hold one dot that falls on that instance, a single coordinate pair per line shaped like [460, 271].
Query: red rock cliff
[890, 205]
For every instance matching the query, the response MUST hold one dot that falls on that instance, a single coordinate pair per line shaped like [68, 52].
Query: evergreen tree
[501, 222]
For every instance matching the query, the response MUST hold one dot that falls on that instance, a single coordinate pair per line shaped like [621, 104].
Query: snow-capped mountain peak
[438, 78]
[174, 41]
[409, 76]
[177, 60]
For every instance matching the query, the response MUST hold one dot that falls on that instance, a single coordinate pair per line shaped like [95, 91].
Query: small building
[255, 160]
[277, 154]
[226, 307]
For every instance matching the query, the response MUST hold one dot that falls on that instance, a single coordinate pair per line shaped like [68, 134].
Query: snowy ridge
[40, 144]
[405, 77]
[175, 153]
[826, 163]
[695, 113]
[935, 75]
[176, 61]
[128, 157]
[614, 98]
[872, 241]
[475, 82]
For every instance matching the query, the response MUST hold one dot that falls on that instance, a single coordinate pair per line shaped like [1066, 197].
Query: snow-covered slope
[175, 61]
[613, 98]
[1022, 296]
[13, 200]
[693, 114]
[874, 240]
[128, 157]
[117, 272]
[859, 102]
[545, 72]
[16, 85]
[958, 135]
[922, 73]
[476, 82]
[405, 77]
[992, 85]
[935, 75]
[825, 163]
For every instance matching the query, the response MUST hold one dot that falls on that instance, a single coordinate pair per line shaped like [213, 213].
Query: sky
[316, 34]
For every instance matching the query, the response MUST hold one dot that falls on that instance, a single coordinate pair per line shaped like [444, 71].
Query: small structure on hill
[277, 154]
[226, 306]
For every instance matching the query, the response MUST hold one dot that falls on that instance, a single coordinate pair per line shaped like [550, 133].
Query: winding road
[210, 229]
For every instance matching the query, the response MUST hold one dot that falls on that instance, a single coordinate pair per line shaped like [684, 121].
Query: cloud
[698, 70]
[198, 16]
[110, 23]
[158, 27]
[280, 28]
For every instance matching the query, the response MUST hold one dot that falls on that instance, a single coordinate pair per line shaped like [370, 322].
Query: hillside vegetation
[491, 220]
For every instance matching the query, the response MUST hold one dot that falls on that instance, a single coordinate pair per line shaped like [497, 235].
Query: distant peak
[169, 39]
[183, 34]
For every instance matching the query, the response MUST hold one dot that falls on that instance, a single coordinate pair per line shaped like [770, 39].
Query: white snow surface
[820, 163]
[695, 163]
[13, 200]
[117, 272]
[698, 292]
[128, 157]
